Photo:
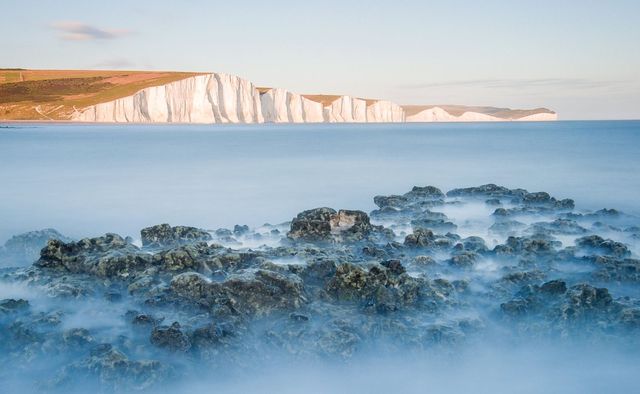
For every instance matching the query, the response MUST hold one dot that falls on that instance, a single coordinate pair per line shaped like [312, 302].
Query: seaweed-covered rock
[114, 370]
[106, 256]
[171, 338]
[488, 191]
[251, 293]
[325, 224]
[598, 245]
[163, 235]
[380, 288]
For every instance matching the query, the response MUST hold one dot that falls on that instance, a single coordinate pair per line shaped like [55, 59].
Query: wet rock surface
[417, 273]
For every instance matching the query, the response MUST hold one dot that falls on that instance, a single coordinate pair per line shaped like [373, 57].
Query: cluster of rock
[333, 285]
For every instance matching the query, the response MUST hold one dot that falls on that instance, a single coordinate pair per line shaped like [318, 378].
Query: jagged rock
[537, 245]
[77, 337]
[545, 200]
[163, 235]
[106, 256]
[325, 224]
[599, 245]
[424, 193]
[239, 230]
[463, 259]
[171, 338]
[378, 289]
[558, 226]
[488, 190]
[24, 249]
[424, 261]
[193, 257]
[252, 292]
[616, 269]
[393, 201]
[113, 369]
[420, 238]
[11, 305]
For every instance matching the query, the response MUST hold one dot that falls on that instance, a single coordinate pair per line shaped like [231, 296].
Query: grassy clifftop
[53, 94]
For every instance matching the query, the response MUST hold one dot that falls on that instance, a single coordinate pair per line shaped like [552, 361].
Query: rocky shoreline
[424, 271]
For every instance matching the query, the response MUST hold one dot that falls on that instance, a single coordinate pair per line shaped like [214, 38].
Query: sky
[579, 58]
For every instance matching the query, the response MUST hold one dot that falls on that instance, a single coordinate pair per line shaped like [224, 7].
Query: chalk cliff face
[223, 98]
[211, 98]
[437, 114]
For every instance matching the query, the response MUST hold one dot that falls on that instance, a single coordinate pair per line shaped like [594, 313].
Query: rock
[396, 202]
[113, 369]
[507, 227]
[599, 245]
[616, 269]
[423, 261]
[558, 226]
[77, 337]
[171, 338]
[194, 257]
[325, 224]
[554, 287]
[464, 259]
[379, 289]
[252, 292]
[545, 200]
[488, 191]
[11, 305]
[239, 230]
[536, 245]
[106, 256]
[424, 193]
[24, 249]
[163, 235]
[420, 238]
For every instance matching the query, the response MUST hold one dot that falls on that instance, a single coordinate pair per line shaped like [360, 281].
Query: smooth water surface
[90, 179]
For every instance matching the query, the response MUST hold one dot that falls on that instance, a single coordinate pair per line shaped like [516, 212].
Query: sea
[87, 180]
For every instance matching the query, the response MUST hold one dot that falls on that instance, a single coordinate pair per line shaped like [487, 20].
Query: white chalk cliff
[223, 98]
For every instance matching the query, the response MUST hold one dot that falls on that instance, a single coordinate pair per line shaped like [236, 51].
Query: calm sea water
[88, 180]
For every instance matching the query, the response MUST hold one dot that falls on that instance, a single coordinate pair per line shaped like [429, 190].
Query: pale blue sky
[581, 58]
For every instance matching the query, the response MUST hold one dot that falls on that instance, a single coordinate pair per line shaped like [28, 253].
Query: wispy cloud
[78, 31]
[564, 83]
[114, 63]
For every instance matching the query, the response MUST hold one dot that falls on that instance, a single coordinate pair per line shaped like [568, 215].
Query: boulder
[325, 224]
[163, 235]
[171, 338]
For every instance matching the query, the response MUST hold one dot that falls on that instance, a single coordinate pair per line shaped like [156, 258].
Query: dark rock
[616, 269]
[163, 235]
[489, 190]
[239, 230]
[394, 266]
[11, 305]
[106, 256]
[171, 338]
[420, 238]
[396, 202]
[424, 193]
[253, 292]
[325, 224]
[554, 287]
[24, 249]
[599, 245]
[464, 259]
[377, 289]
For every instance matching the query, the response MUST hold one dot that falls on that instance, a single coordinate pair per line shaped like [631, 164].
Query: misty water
[483, 331]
